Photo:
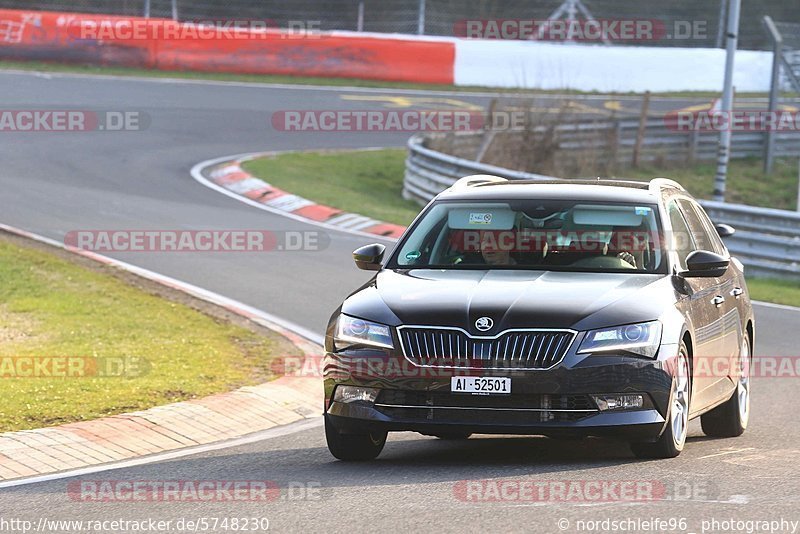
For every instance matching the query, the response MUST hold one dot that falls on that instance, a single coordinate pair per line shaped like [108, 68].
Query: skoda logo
[484, 323]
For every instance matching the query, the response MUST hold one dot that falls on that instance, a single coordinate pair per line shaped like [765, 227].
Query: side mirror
[725, 230]
[369, 257]
[705, 264]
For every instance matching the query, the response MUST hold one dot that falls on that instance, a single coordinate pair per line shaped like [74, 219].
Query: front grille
[511, 409]
[513, 349]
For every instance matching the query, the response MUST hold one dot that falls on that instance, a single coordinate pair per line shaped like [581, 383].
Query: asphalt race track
[51, 183]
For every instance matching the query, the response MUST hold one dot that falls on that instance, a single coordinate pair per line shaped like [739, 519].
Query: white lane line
[725, 453]
[352, 221]
[277, 432]
[784, 307]
[365, 224]
[339, 219]
[197, 174]
[359, 222]
[246, 185]
[289, 202]
[229, 169]
[335, 88]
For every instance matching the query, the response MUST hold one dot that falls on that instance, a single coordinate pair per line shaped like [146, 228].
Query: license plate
[479, 385]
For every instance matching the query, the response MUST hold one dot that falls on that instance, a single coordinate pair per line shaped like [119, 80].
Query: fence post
[616, 140]
[777, 41]
[174, 9]
[147, 9]
[360, 22]
[642, 129]
[721, 24]
[421, 19]
[694, 139]
[723, 154]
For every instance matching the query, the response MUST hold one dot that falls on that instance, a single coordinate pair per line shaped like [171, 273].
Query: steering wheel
[603, 262]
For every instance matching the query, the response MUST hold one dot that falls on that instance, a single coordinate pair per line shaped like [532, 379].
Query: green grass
[52, 306]
[368, 182]
[43, 66]
[777, 291]
[746, 183]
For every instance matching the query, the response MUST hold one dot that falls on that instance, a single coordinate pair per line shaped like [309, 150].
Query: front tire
[730, 419]
[354, 447]
[673, 439]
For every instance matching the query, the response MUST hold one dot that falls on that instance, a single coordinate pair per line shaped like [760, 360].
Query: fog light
[355, 394]
[618, 402]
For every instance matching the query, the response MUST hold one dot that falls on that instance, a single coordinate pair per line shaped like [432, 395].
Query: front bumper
[555, 402]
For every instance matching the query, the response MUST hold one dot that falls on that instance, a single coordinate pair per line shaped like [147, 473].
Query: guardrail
[767, 241]
[611, 143]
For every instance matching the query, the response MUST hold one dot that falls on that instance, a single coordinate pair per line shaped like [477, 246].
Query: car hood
[512, 299]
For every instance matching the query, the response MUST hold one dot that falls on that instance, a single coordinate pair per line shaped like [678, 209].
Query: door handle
[718, 300]
[737, 292]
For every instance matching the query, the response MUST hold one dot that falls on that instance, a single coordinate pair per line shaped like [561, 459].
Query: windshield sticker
[480, 218]
[413, 255]
[642, 211]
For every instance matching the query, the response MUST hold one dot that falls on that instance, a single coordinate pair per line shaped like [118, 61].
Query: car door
[732, 284]
[704, 309]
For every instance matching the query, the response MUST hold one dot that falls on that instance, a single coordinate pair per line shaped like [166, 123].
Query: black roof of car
[475, 188]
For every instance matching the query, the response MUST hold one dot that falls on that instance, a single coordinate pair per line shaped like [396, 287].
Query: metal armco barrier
[767, 241]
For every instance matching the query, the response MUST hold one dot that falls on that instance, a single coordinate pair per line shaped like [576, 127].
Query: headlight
[641, 338]
[351, 331]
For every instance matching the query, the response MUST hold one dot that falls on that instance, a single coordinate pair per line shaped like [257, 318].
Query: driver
[493, 251]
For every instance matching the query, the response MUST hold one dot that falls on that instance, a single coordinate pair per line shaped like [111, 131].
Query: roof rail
[658, 183]
[476, 179]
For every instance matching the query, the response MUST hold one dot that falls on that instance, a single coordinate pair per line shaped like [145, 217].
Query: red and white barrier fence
[261, 49]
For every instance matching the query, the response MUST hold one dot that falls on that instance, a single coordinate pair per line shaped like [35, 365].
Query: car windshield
[557, 235]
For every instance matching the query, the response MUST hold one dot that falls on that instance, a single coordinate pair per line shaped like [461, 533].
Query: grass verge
[368, 182]
[746, 183]
[53, 304]
[776, 291]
